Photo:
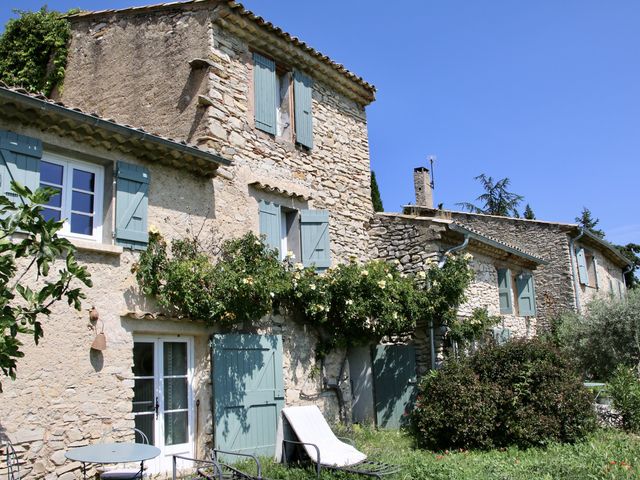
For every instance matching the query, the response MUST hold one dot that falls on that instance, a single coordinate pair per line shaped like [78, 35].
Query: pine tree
[586, 221]
[496, 199]
[375, 194]
[528, 213]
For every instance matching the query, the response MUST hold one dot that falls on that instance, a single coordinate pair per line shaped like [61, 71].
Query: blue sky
[546, 93]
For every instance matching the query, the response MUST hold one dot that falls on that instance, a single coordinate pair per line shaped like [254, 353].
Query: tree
[375, 194]
[586, 221]
[496, 200]
[528, 213]
[632, 252]
[33, 50]
[29, 246]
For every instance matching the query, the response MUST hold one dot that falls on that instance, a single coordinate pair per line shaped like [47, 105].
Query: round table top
[113, 453]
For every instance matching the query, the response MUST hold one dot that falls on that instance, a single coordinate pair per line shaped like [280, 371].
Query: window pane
[175, 428]
[54, 200]
[143, 395]
[82, 224]
[49, 214]
[145, 424]
[82, 202]
[51, 173]
[175, 358]
[143, 359]
[83, 180]
[175, 393]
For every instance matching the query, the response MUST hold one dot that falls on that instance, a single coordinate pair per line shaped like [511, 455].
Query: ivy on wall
[33, 50]
[349, 304]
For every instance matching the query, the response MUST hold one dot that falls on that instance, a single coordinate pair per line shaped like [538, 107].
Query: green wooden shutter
[314, 233]
[19, 161]
[264, 89]
[270, 224]
[526, 295]
[583, 273]
[302, 88]
[132, 202]
[504, 290]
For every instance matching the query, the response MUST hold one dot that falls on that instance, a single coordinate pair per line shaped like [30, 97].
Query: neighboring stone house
[272, 139]
[578, 265]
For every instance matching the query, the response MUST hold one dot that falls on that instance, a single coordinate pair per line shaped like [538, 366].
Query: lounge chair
[322, 447]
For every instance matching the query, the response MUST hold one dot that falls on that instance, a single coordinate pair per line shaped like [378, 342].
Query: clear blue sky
[544, 92]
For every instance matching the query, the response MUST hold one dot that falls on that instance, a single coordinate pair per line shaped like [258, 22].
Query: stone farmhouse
[271, 138]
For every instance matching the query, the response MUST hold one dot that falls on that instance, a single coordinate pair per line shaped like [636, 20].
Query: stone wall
[67, 395]
[135, 68]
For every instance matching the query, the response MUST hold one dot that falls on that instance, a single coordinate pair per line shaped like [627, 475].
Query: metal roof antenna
[432, 159]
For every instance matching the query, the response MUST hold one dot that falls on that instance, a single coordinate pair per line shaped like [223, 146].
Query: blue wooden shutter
[595, 272]
[314, 233]
[19, 161]
[583, 273]
[270, 224]
[302, 88]
[264, 89]
[526, 295]
[132, 202]
[501, 335]
[504, 290]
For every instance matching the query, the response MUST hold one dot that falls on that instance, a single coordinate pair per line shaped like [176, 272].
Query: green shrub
[624, 389]
[604, 337]
[523, 393]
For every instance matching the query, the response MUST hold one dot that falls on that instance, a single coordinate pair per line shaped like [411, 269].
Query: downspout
[574, 262]
[441, 264]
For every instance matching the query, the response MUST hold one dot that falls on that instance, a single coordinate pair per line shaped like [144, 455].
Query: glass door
[163, 396]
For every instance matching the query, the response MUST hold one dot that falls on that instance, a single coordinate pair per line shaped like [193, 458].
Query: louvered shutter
[314, 233]
[526, 295]
[504, 290]
[132, 203]
[270, 224]
[264, 88]
[302, 88]
[20, 162]
[583, 273]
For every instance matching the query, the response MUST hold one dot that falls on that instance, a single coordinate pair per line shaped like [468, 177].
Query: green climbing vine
[33, 50]
[348, 304]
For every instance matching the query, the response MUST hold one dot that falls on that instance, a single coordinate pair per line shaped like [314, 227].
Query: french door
[163, 396]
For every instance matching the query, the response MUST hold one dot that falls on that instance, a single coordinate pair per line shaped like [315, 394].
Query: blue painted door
[394, 384]
[248, 392]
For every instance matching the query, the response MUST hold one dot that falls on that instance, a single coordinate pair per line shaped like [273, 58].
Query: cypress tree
[375, 194]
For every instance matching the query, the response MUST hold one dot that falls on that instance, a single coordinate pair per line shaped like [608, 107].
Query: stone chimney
[422, 184]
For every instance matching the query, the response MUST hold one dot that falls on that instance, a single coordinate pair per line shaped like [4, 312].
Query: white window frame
[69, 164]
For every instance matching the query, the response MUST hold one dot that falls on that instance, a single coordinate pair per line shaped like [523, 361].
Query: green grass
[607, 454]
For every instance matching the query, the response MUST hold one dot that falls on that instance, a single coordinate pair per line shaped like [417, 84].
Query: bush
[624, 389]
[523, 393]
[604, 337]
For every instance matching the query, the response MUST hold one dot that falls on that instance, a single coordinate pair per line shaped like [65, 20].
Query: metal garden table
[103, 453]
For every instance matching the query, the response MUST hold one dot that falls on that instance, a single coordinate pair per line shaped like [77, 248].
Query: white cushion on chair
[122, 474]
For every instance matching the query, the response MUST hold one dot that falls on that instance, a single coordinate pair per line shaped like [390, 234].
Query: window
[587, 268]
[282, 101]
[516, 292]
[303, 232]
[79, 201]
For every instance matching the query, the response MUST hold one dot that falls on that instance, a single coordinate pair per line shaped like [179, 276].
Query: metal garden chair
[126, 473]
[213, 469]
[13, 464]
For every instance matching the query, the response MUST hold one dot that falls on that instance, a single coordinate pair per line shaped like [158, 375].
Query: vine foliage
[33, 50]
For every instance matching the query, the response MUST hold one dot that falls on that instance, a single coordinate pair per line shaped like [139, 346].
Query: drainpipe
[441, 264]
[574, 262]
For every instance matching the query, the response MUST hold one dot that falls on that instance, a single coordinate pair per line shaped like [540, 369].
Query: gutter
[574, 262]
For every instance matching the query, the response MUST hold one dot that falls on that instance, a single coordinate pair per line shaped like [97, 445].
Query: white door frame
[163, 463]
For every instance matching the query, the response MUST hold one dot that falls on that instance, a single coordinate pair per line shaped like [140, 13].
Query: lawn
[607, 454]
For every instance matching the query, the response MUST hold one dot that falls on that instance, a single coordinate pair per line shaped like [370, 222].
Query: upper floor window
[587, 268]
[282, 101]
[80, 189]
[516, 293]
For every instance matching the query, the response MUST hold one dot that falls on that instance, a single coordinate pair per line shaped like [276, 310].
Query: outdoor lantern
[100, 342]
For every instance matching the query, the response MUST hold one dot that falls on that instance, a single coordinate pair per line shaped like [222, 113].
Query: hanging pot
[100, 342]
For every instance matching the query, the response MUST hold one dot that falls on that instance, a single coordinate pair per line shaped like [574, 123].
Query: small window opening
[283, 108]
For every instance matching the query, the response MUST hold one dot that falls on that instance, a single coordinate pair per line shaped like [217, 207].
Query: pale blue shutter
[526, 295]
[504, 290]
[501, 335]
[583, 273]
[19, 161]
[132, 203]
[314, 233]
[302, 88]
[270, 224]
[595, 272]
[264, 91]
